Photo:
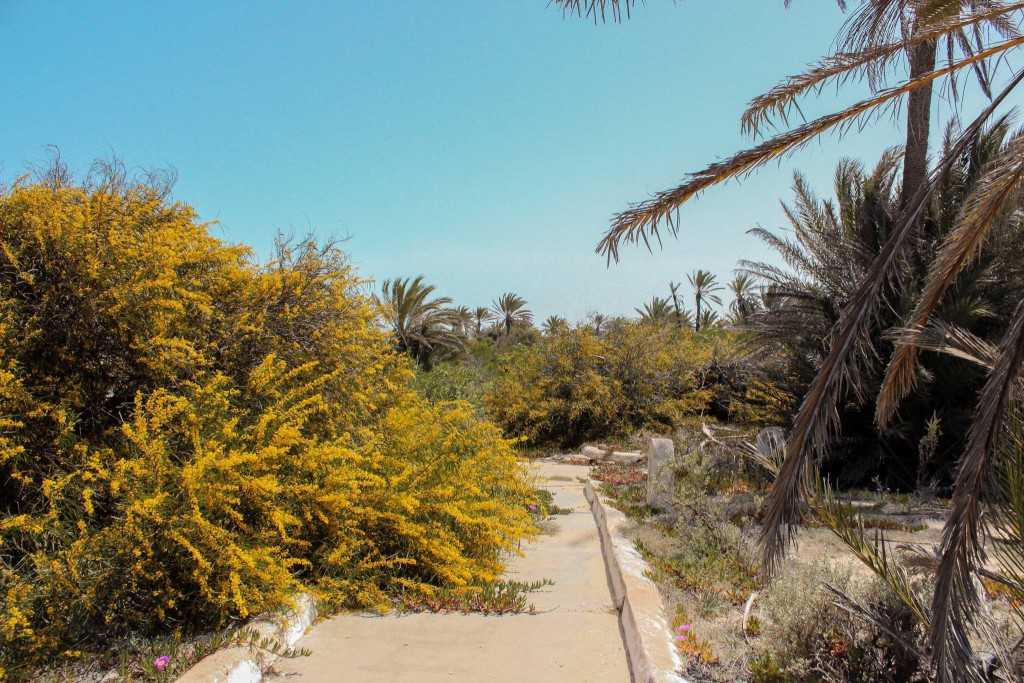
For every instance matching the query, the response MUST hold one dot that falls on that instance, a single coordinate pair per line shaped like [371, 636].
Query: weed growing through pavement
[498, 597]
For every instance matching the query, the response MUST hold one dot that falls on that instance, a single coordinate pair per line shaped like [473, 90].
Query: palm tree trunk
[675, 303]
[696, 320]
[919, 104]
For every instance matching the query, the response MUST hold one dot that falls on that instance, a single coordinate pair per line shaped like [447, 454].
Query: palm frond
[941, 337]
[1000, 184]
[955, 600]
[643, 220]
[871, 43]
[817, 418]
[846, 523]
[602, 10]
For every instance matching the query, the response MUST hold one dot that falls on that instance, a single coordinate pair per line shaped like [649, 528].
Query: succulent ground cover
[731, 623]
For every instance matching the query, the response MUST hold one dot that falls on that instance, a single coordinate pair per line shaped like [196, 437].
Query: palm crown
[420, 323]
[510, 310]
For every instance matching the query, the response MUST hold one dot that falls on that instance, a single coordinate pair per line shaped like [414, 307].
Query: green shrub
[451, 381]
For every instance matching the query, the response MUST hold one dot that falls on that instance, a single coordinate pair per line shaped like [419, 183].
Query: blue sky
[482, 144]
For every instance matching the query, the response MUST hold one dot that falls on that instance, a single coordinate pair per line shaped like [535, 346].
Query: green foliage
[577, 385]
[187, 436]
[509, 311]
[423, 327]
[138, 660]
[451, 381]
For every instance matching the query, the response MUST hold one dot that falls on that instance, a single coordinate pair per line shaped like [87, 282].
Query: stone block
[625, 457]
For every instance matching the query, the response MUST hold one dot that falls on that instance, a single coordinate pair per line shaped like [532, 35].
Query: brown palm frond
[817, 418]
[1001, 182]
[919, 560]
[601, 10]
[955, 599]
[642, 220]
[941, 337]
[1006, 523]
[863, 60]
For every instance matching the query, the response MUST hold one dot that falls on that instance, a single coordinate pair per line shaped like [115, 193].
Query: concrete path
[574, 638]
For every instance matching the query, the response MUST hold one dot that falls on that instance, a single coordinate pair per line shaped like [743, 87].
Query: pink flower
[680, 637]
[532, 507]
[684, 627]
[161, 663]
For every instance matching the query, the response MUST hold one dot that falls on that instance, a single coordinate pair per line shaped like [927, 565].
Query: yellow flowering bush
[188, 436]
[576, 385]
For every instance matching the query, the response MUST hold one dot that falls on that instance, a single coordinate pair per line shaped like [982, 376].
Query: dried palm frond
[642, 221]
[868, 57]
[601, 10]
[941, 337]
[955, 602]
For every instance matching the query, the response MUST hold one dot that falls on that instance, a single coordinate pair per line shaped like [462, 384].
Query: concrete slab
[575, 637]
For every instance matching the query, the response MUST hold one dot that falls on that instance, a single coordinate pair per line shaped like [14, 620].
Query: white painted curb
[244, 664]
[653, 657]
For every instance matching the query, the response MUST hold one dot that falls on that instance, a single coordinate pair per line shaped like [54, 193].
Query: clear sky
[483, 144]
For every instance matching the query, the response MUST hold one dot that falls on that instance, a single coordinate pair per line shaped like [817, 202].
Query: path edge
[653, 657]
[245, 664]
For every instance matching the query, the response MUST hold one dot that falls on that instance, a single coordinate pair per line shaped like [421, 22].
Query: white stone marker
[660, 475]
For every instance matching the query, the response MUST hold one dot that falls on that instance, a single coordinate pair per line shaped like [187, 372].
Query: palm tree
[658, 311]
[825, 254]
[683, 317]
[554, 325]
[995, 26]
[970, 293]
[708, 318]
[420, 324]
[481, 315]
[510, 310]
[598, 322]
[463, 320]
[744, 300]
[975, 33]
[704, 286]
[832, 246]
